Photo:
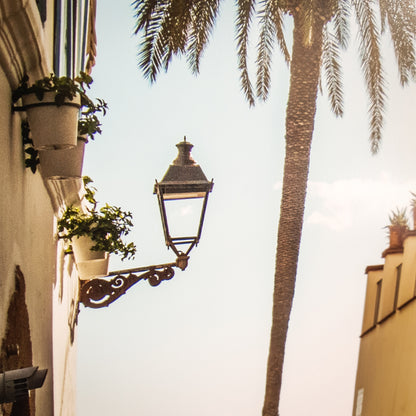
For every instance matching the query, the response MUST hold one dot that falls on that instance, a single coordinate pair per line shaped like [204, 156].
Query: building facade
[386, 373]
[38, 283]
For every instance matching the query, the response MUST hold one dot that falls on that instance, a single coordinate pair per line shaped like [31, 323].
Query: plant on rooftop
[413, 205]
[399, 218]
[399, 224]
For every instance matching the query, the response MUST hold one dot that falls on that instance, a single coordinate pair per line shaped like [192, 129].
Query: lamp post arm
[140, 269]
[98, 293]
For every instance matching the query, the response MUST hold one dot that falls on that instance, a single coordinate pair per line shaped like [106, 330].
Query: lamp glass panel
[183, 216]
[182, 195]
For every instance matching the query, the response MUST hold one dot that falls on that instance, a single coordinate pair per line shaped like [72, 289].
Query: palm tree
[320, 32]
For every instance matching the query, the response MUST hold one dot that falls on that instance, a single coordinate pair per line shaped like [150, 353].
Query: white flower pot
[63, 164]
[90, 263]
[52, 126]
[90, 269]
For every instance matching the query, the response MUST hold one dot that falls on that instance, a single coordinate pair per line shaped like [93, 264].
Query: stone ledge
[22, 44]
[64, 193]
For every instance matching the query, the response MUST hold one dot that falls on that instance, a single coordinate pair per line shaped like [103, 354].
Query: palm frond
[341, 24]
[245, 11]
[164, 26]
[272, 28]
[178, 17]
[143, 12]
[203, 20]
[277, 10]
[265, 50]
[383, 13]
[332, 68]
[401, 18]
[372, 67]
[153, 45]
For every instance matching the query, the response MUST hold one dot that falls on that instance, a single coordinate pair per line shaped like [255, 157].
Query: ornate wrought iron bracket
[97, 293]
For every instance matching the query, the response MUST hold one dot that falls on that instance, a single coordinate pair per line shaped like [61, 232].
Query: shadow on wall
[16, 346]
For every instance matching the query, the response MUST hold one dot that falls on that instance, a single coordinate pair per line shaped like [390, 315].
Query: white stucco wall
[27, 240]
[28, 206]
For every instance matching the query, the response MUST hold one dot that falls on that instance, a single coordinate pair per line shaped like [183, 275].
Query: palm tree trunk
[300, 115]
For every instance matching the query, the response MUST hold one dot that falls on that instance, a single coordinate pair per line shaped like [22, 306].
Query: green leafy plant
[399, 218]
[89, 190]
[105, 226]
[63, 87]
[88, 123]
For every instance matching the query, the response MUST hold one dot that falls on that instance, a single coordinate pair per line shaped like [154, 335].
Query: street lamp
[184, 181]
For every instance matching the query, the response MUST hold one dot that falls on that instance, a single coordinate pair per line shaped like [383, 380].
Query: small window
[71, 33]
[377, 304]
[414, 289]
[396, 293]
[62, 51]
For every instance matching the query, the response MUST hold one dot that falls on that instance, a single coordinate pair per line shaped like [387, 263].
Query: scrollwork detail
[97, 293]
[156, 276]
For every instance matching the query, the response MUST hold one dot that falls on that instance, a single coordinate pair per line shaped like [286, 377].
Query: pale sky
[198, 344]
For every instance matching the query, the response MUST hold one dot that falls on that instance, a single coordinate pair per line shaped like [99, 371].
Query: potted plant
[88, 123]
[413, 204]
[95, 233]
[398, 227]
[52, 105]
[65, 164]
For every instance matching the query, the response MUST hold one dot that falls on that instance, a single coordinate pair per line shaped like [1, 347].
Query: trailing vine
[31, 154]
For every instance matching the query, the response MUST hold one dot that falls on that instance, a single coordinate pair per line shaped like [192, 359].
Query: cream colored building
[38, 283]
[386, 374]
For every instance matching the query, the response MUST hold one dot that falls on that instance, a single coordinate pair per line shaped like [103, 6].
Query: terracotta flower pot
[52, 126]
[63, 164]
[90, 263]
[414, 218]
[396, 236]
